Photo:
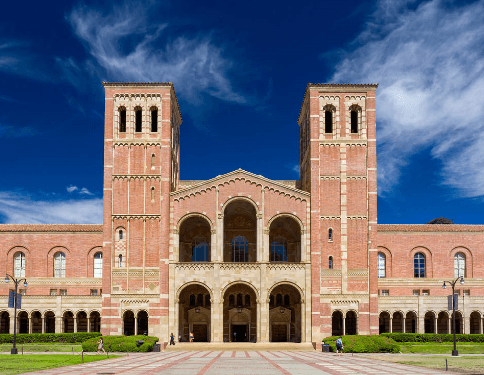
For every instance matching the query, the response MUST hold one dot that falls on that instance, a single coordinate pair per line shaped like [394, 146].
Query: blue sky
[240, 70]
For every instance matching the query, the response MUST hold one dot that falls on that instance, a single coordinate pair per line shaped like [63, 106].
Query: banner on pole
[19, 301]
[456, 302]
[11, 296]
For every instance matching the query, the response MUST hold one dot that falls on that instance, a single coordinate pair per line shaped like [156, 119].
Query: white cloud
[72, 188]
[85, 191]
[124, 48]
[429, 63]
[20, 209]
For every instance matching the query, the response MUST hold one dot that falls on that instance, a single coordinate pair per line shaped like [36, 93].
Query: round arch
[190, 283]
[193, 214]
[286, 214]
[469, 264]
[18, 248]
[247, 199]
[232, 283]
[298, 288]
[429, 263]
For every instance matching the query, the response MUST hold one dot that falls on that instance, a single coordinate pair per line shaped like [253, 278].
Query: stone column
[449, 324]
[213, 245]
[219, 249]
[404, 328]
[344, 324]
[58, 324]
[11, 323]
[480, 326]
[43, 325]
[260, 239]
[30, 324]
[263, 324]
[136, 325]
[391, 324]
[303, 320]
[88, 323]
[266, 256]
[176, 322]
[75, 324]
[421, 324]
[467, 325]
[303, 246]
[435, 324]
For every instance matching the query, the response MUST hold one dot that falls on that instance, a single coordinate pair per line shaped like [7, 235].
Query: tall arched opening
[68, 320]
[351, 323]
[195, 240]
[240, 314]
[240, 232]
[285, 240]
[49, 321]
[384, 322]
[411, 322]
[459, 323]
[142, 322]
[4, 322]
[195, 313]
[429, 322]
[81, 321]
[128, 323]
[95, 321]
[474, 322]
[442, 322]
[36, 318]
[337, 323]
[397, 322]
[285, 314]
[23, 322]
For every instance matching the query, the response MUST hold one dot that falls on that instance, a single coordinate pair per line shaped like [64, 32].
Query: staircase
[238, 346]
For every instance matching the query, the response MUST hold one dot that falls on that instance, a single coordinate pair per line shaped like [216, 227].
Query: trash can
[325, 348]
[157, 347]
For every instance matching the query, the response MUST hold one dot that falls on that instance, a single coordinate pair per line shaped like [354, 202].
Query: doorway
[279, 333]
[239, 332]
[200, 333]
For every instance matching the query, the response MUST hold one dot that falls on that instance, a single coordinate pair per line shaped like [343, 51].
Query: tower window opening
[354, 122]
[120, 261]
[154, 120]
[152, 194]
[121, 234]
[330, 235]
[153, 160]
[328, 122]
[138, 113]
[122, 120]
[330, 263]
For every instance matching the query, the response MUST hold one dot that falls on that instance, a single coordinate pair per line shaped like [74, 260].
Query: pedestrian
[179, 338]
[100, 346]
[172, 339]
[339, 346]
[191, 337]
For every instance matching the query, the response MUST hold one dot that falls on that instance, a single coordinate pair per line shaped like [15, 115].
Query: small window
[153, 156]
[199, 249]
[22, 292]
[279, 250]
[279, 300]
[330, 262]
[330, 235]
[385, 292]
[19, 264]
[457, 291]
[286, 300]
[53, 292]
[240, 249]
[122, 120]
[98, 264]
[381, 266]
[459, 265]
[231, 300]
[152, 194]
[247, 300]
[239, 299]
[467, 292]
[419, 265]
[59, 264]
[207, 300]
[138, 124]
[354, 122]
[416, 292]
[200, 299]
[63, 292]
[93, 292]
[425, 292]
[328, 122]
[121, 234]
[120, 261]
[192, 299]
[154, 120]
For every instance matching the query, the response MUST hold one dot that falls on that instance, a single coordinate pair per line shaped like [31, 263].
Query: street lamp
[455, 353]
[16, 282]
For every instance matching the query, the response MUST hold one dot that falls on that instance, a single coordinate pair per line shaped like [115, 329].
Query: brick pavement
[240, 362]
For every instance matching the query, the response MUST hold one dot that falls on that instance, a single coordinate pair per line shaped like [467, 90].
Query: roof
[51, 228]
[429, 228]
[337, 87]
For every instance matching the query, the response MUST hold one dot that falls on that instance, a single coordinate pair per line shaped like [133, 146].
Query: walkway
[240, 362]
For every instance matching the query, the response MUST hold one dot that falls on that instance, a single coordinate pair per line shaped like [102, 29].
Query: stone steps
[238, 346]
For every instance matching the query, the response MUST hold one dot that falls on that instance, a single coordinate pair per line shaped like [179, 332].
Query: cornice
[137, 142]
[48, 228]
[60, 281]
[429, 228]
[136, 176]
[134, 217]
[343, 142]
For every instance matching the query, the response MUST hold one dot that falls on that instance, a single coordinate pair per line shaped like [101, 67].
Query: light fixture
[197, 309]
[462, 280]
[239, 309]
[7, 279]
[282, 310]
[25, 283]
[444, 286]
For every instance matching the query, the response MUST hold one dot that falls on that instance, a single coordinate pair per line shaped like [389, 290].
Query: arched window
[330, 235]
[154, 119]
[199, 249]
[138, 113]
[328, 122]
[279, 300]
[120, 234]
[200, 299]
[122, 120]
[330, 263]
[59, 264]
[152, 194]
[231, 300]
[354, 122]
[153, 156]
[279, 250]
[192, 299]
[240, 249]
[247, 300]
[459, 265]
[271, 300]
[419, 265]
[120, 261]
[98, 264]
[286, 300]
[381, 265]
[239, 299]
[207, 300]
[19, 264]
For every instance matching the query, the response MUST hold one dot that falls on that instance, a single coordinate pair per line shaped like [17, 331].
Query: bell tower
[141, 168]
[338, 167]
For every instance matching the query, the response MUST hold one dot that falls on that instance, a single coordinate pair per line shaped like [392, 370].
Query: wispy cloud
[296, 168]
[9, 131]
[71, 189]
[85, 191]
[429, 62]
[124, 46]
[22, 209]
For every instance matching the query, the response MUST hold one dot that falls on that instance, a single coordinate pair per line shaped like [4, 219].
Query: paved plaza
[240, 362]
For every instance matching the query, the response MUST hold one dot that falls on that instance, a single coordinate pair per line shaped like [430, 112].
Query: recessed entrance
[285, 314]
[279, 333]
[239, 332]
[200, 332]
[195, 313]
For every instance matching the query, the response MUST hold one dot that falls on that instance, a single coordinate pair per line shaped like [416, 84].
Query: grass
[17, 364]
[469, 365]
[442, 348]
[43, 347]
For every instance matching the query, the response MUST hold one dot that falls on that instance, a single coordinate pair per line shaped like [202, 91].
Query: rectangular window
[416, 292]
[467, 292]
[138, 127]
[385, 292]
[22, 292]
[154, 120]
[457, 292]
[93, 292]
[63, 292]
[53, 292]
[425, 292]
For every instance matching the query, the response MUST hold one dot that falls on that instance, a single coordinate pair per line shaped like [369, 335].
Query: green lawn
[442, 348]
[469, 365]
[17, 364]
[43, 347]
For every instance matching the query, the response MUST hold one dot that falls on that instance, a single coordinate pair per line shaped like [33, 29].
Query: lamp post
[455, 353]
[16, 282]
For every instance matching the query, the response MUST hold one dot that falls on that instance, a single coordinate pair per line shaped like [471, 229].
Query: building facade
[241, 257]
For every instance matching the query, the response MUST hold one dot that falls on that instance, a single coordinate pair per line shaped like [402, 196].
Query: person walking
[100, 346]
[339, 346]
[191, 337]
[172, 339]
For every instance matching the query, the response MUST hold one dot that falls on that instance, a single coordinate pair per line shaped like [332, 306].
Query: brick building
[240, 257]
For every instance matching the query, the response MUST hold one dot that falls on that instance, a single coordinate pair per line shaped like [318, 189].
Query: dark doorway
[200, 333]
[239, 332]
[279, 333]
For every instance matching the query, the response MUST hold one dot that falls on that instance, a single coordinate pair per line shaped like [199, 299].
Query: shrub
[432, 337]
[121, 344]
[364, 344]
[25, 338]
